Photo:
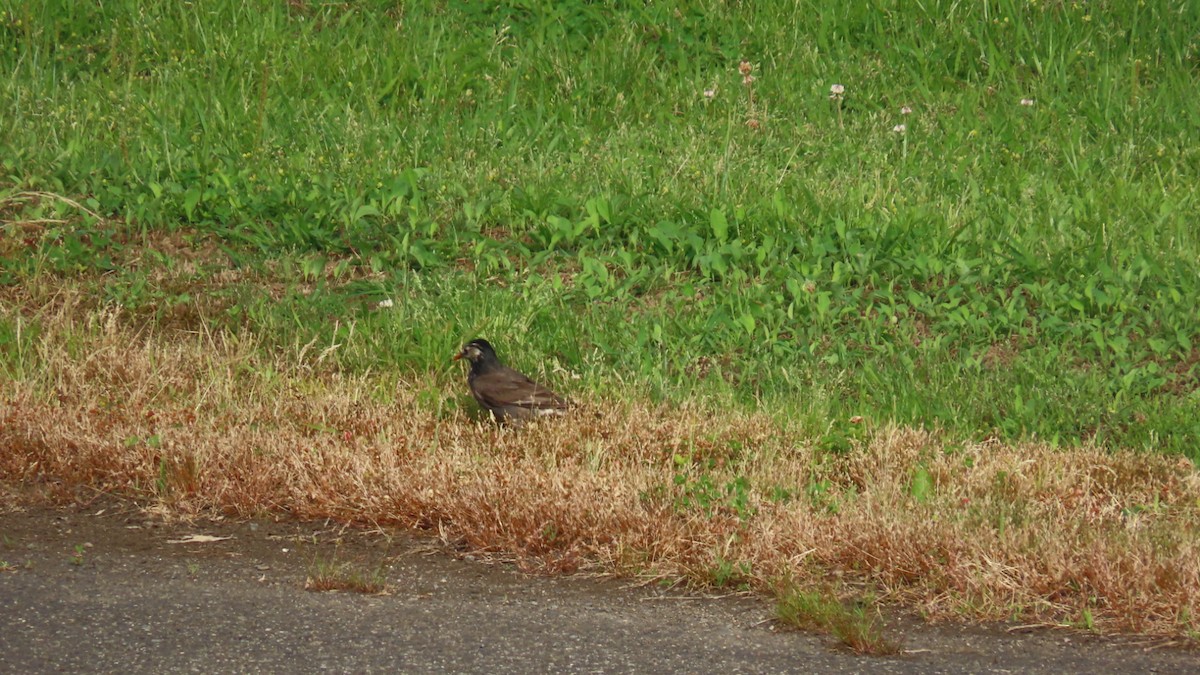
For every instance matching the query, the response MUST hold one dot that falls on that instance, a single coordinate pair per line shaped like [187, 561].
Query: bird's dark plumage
[509, 395]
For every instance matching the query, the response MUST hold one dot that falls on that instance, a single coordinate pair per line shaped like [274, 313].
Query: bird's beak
[456, 356]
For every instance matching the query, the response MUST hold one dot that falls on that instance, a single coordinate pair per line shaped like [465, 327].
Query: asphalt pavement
[117, 590]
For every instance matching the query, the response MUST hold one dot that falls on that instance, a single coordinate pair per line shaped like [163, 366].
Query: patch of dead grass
[190, 422]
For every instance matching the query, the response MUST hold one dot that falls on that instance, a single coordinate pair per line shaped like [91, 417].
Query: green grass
[553, 176]
[858, 627]
[335, 575]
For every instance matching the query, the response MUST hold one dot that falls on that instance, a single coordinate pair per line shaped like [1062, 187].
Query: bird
[510, 396]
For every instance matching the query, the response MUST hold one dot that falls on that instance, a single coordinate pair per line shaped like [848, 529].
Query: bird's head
[477, 351]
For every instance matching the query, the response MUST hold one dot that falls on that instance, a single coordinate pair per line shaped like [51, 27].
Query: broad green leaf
[190, 199]
[719, 224]
[748, 323]
[920, 488]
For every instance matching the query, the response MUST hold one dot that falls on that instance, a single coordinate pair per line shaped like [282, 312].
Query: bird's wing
[507, 387]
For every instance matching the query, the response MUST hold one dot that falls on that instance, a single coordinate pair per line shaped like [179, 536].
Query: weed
[696, 489]
[781, 495]
[857, 627]
[334, 575]
[1085, 619]
[921, 485]
[729, 574]
[821, 495]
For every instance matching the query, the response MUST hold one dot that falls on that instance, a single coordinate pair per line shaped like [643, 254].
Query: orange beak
[456, 356]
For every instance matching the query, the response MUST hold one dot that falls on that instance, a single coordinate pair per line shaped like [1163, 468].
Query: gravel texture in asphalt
[113, 589]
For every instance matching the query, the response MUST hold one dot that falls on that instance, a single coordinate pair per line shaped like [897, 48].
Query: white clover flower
[906, 110]
[710, 94]
[386, 303]
[899, 128]
[837, 90]
[1026, 102]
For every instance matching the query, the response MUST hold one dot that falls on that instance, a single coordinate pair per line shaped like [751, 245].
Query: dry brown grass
[198, 422]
